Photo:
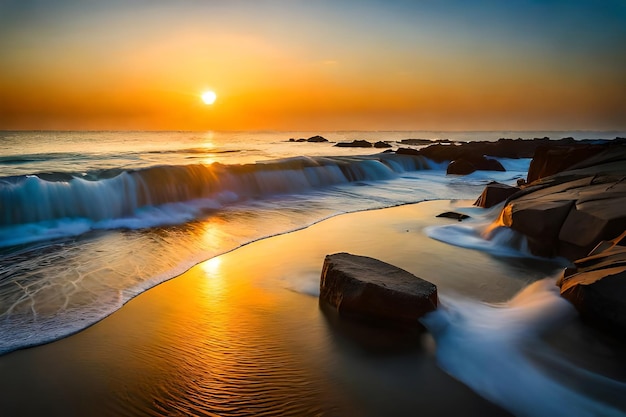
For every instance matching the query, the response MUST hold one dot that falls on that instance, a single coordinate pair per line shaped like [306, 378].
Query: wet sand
[244, 334]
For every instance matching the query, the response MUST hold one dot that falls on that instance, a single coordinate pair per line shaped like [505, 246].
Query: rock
[550, 159]
[460, 167]
[368, 288]
[381, 144]
[467, 165]
[503, 148]
[355, 144]
[568, 213]
[317, 138]
[495, 193]
[415, 142]
[407, 151]
[453, 215]
[539, 221]
[596, 286]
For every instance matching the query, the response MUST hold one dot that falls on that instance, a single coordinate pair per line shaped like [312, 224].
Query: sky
[313, 65]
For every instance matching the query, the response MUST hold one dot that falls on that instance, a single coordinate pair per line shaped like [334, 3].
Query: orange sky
[313, 65]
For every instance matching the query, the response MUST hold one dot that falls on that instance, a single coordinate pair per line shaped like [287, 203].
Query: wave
[118, 198]
[498, 351]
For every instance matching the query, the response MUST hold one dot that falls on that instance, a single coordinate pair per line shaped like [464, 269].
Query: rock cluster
[371, 289]
[570, 212]
[573, 205]
[466, 157]
[316, 138]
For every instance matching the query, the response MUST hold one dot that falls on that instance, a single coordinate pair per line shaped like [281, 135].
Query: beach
[243, 334]
[191, 289]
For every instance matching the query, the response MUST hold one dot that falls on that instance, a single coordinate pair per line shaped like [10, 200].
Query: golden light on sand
[209, 97]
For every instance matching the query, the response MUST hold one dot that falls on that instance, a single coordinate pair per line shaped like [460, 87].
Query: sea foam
[490, 349]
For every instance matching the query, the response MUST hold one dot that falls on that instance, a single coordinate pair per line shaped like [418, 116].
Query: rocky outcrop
[502, 148]
[368, 288]
[596, 286]
[550, 159]
[354, 144]
[570, 212]
[495, 193]
[316, 138]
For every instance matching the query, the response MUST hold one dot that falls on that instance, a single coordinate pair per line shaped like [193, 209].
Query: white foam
[484, 347]
[42, 231]
[502, 241]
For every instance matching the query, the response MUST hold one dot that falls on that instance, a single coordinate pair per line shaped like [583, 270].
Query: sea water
[88, 220]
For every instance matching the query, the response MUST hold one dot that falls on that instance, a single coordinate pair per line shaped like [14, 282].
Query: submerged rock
[355, 144]
[368, 288]
[453, 215]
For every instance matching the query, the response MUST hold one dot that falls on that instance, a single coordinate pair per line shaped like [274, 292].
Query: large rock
[552, 159]
[464, 166]
[495, 193]
[368, 288]
[570, 212]
[596, 286]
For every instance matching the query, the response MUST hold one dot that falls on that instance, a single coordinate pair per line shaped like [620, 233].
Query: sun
[209, 97]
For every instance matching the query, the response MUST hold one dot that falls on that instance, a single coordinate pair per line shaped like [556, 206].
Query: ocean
[90, 220]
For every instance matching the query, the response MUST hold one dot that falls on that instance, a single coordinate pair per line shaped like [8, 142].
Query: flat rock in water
[454, 215]
[369, 288]
[355, 144]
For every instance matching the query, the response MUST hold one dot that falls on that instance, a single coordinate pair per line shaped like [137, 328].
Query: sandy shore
[243, 334]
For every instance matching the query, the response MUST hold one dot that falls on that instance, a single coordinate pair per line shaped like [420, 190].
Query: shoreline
[134, 357]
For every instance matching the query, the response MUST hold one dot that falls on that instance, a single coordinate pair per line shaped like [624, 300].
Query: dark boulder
[317, 138]
[441, 153]
[381, 144]
[354, 144]
[495, 193]
[460, 167]
[368, 288]
[467, 165]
